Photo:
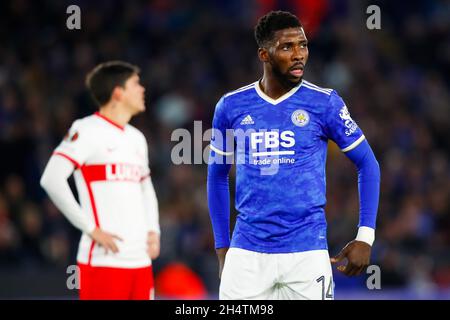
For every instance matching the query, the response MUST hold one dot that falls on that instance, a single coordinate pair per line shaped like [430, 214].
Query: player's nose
[297, 54]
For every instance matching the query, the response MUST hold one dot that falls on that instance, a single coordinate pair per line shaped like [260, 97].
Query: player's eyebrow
[303, 41]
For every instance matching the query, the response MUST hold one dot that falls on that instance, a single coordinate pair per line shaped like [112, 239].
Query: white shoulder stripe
[246, 86]
[240, 89]
[316, 86]
[318, 90]
[354, 144]
[223, 153]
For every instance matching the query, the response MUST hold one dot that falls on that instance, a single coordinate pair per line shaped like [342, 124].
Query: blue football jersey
[280, 149]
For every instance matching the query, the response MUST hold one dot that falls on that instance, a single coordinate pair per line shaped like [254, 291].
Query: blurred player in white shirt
[118, 209]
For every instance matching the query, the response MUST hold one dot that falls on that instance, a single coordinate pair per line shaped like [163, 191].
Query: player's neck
[115, 114]
[274, 87]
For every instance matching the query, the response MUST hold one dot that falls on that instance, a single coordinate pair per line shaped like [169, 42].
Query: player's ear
[263, 54]
[117, 93]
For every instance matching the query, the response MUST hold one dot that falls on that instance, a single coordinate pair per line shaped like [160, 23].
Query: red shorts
[107, 283]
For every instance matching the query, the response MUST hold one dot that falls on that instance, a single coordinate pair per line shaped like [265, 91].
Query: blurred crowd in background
[395, 82]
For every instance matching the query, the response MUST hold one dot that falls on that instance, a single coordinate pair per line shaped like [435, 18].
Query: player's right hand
[105, 240]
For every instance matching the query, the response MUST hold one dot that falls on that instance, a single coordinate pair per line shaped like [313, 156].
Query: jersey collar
[279, 99]
[109, 121]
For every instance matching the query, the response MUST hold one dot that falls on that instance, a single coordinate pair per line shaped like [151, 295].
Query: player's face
[288, 54]
[134, 95]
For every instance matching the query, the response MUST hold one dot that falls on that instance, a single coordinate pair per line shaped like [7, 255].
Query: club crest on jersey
[300, 118]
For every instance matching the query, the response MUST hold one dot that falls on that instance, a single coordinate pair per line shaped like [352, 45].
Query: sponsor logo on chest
[123, 172]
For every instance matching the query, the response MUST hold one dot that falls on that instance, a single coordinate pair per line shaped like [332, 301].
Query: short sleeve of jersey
[340, 127]
[222, 136]
[77, 145]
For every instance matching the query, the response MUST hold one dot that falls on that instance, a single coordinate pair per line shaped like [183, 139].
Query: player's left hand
[153, 244]
[357, 254]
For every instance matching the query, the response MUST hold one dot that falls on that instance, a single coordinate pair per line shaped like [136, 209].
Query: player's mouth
[297, 70]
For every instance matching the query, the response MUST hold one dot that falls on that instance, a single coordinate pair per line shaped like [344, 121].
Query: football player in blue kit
[277, 130]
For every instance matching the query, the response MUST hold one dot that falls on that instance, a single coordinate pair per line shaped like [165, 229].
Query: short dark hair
[102, 80]
[274, 21]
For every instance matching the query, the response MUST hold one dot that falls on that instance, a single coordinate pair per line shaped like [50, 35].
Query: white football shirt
[111, 164]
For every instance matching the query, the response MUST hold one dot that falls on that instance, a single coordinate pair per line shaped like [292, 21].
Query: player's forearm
[369, 190]
[219, 202]
[54, 182]
[151, 204]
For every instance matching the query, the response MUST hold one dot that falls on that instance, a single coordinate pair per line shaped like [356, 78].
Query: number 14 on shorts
[329, 292]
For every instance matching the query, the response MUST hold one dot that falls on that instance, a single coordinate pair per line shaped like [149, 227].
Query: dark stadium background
[394, 80]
